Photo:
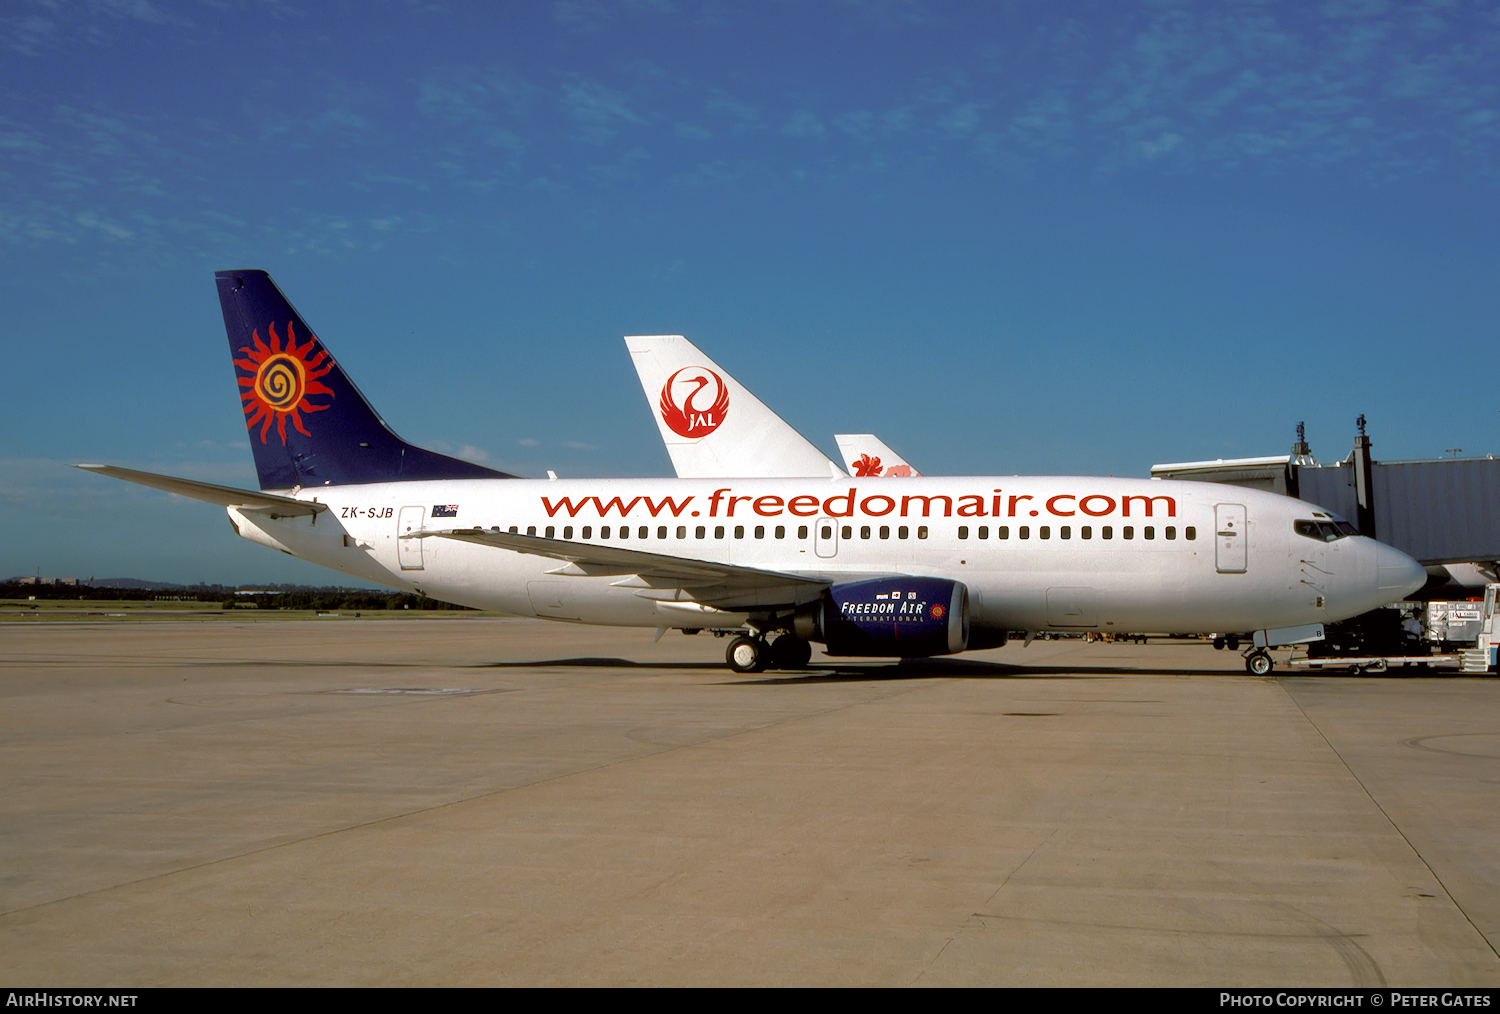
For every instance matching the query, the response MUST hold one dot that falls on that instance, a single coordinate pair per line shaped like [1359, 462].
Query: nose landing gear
[1258, 662]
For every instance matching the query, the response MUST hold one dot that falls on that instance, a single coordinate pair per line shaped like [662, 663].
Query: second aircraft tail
[712, 426]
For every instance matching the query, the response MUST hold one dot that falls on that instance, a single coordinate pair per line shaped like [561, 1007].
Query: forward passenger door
[1230, 543]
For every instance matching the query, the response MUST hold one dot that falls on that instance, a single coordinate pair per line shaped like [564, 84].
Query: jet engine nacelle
[910, 617]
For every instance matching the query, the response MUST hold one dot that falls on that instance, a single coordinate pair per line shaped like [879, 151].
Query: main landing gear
[1259, 663]
[753, 654]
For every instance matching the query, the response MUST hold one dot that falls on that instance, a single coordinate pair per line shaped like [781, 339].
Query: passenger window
[700, 531]
[1046, 531]
[984, 531]
[760, 531]
[1128, 532]
[1024, 532]
[718, 531]
[682, 531]
[604, 532]
[588, 531]
[885, 531]
[848, 532]
[1171, 532]
[739, 531]
[801, 531]
[568, 532]
[780, 531]
[827, 532]
[512, 529]
[921, 531]
[963, 531]
[551, 531]
[661, 532]
[1107, 532]
[1150, 531]
[645, 533]
[1190, 532]
[531, 529]
[1086, 532]
[624, 531]
[1003, 532]
[1066, 531]
[903, 532]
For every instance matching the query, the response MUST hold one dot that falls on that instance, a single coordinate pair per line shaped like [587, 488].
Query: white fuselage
[1036, 553]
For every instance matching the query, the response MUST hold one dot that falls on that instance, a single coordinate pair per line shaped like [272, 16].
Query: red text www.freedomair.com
[724, 504]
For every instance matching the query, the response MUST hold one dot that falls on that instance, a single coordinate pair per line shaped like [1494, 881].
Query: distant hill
[130, 582]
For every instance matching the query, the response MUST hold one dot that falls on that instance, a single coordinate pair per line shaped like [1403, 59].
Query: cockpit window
[1325, 531]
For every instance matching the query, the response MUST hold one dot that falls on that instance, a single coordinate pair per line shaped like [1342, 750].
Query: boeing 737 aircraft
[927, 566]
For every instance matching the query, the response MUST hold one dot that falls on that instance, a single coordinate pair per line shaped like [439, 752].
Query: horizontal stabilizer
[224, 496]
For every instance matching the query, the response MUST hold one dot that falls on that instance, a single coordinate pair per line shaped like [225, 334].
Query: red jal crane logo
[694, 401]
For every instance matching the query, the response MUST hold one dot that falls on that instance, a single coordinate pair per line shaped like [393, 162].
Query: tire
[1258, 663]
[746, 654]
[790, 652]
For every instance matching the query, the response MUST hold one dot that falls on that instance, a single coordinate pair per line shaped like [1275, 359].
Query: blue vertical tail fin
[308, 423]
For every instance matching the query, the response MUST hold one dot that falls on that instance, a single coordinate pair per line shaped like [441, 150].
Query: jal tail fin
[867, 454]
[308, 423]
[712, 426]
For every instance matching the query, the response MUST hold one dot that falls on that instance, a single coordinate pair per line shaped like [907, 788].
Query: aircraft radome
[924, 566]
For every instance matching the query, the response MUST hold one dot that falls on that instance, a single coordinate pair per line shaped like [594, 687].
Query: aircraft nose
[1397, 575]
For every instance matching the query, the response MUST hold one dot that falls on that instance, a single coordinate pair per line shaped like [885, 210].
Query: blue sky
[1008, 237]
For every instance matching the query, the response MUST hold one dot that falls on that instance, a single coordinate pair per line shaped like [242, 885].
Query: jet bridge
[1438, 511]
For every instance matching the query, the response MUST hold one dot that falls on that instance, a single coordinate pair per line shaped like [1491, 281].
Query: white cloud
[803, 124]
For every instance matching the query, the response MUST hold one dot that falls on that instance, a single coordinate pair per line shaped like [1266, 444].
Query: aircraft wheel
[1218, 644]
[1259, 663]
[746, 654]
[790, 652]
[1233, 642]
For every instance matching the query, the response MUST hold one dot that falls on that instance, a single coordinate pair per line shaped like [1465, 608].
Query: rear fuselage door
[409, 551]
[1230, 540]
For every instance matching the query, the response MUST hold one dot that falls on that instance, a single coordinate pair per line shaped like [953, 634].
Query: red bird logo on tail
[683, 399]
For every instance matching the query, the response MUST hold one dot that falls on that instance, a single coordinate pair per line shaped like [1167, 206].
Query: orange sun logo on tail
[281, 381]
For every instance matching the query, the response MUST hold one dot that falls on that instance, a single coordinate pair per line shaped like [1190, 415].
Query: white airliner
[927, 566]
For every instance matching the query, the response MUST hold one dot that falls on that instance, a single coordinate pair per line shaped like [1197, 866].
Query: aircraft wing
[656, 575]
[224, 496]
